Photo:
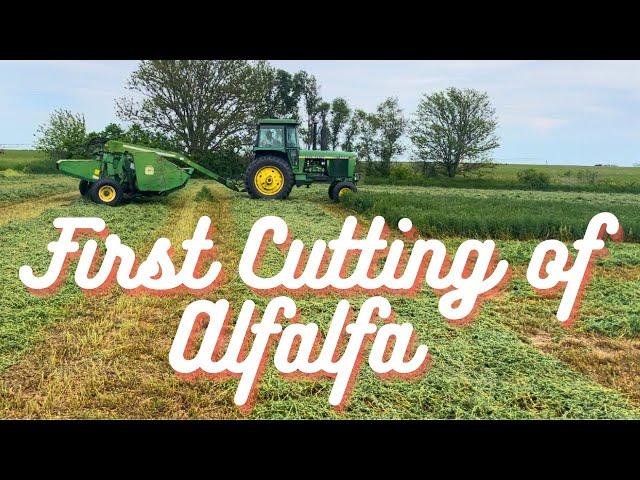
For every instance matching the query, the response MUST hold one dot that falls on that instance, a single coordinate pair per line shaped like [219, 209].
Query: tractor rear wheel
[340, 188]
[269, 177]
[85, 186]
[106, 192]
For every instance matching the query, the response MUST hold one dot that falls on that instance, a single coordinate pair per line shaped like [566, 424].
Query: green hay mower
[122, 170]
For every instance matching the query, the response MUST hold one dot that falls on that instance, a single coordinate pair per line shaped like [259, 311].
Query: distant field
[501, 177]
[505, 177]
[570, 174]
[27, 161]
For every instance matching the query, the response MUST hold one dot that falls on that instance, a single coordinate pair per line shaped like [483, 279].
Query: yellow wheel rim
[269, 180]
[343, 191]
[106, 193]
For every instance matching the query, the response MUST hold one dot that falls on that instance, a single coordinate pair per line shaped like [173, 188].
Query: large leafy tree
[367, 143]
[202, 104]
[283, 93]
[112, 131]
[136, 134]
[340, 113]
[311, 100]
[455, 129]
[63, 136]
[351, 132]
[391, 124]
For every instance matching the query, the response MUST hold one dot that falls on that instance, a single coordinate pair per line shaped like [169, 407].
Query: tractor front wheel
[340, 188]
[269, 177]
[85, 186]
[106, 192]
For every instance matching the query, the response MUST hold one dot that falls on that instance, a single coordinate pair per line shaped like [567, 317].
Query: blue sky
[556, 112]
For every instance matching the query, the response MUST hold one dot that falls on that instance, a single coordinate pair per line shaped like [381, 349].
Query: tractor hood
[333, 154]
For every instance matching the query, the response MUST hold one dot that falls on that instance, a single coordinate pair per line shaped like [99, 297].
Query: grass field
[19, 188]
[571, 173]
[26, 161]
[570, 178]
[70, 355]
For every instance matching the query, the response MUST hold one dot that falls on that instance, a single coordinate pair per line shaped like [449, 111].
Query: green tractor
[120, 170]
[279, 164]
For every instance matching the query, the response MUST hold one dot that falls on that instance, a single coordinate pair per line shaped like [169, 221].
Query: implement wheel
[340, 188]
[84, 187]
[333, 184]
[106, 192]
[269, 177]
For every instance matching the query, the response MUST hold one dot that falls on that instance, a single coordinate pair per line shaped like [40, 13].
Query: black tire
[84, 187]
[338, 187]
[106, 192]
[330, 192]
[281, 186]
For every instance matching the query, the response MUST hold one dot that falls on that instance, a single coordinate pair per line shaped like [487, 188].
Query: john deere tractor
[279, 164]
[121, 170]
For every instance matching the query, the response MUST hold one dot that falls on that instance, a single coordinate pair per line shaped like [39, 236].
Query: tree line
[208, 109]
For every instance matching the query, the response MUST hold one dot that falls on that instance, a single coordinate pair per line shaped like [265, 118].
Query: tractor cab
[278, 136]
[279, 164]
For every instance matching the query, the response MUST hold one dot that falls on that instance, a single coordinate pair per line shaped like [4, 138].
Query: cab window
[292, 138]
[271, 137]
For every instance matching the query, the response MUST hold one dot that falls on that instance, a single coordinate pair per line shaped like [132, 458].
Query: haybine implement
[122, 170]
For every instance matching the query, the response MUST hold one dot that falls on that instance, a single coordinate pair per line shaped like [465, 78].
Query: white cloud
[544, 124]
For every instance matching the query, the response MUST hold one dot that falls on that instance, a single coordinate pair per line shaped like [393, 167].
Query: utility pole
[315, 133]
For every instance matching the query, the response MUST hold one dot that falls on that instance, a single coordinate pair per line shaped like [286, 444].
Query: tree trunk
[451, 170]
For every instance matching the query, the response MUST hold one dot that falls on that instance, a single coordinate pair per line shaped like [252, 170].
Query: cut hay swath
[106, 357]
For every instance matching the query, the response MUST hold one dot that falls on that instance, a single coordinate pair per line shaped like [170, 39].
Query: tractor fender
[270, 153]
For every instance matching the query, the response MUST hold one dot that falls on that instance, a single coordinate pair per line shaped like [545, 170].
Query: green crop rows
[497, 214]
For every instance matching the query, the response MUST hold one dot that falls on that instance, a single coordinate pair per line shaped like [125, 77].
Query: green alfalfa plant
[504, 217]
[534, 179]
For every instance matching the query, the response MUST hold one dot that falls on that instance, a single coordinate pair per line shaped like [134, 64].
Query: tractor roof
[278, 121]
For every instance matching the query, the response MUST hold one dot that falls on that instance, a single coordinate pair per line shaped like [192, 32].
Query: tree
[391, 125]
[63, 136]
[283, 94]
[455, 129]
[202, 104]
[138, 135]
[112, 131]
[351, 132]
[367, 142]
[312, 100]
[340, 112]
